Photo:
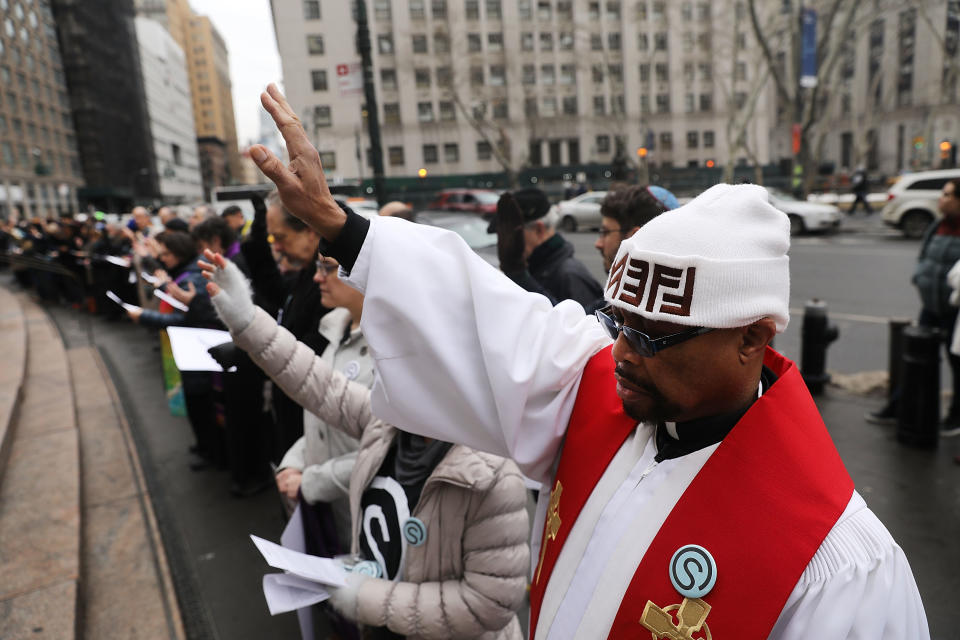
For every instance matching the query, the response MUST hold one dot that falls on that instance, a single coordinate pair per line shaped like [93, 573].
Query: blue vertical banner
[808, 49]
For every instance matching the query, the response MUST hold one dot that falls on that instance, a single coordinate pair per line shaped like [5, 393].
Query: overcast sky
[247, 28]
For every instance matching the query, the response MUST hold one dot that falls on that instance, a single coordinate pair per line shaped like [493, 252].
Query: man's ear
[631, 232]
[756, 337]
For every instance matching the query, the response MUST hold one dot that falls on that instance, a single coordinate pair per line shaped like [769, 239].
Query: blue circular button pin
[693, 571]
[368, 568]
[414, 531]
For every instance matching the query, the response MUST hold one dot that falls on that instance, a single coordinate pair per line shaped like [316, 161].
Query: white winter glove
[345, 599]
[233, 299]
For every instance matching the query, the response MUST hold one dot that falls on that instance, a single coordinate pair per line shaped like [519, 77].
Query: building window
[439, 9]
[548, 74]
[597, 72]
[617, 104]
[385, 44]
[451, 152]
[689, 103]
[388, 79]
[444, 76]
[395, 154]
[421, 76]
[476, 76]
[616, 73]
[474, 42]
[693, 139]
[418, 9]
[599, 105]
[391, 113]
[425, 111]
[321, 116]
[706, 102]
[526, 41]
[640, 10]
[662, 72]
[318, 78]
[663, 103]
[441, 43]
[603, 144]
[564, 9]
[535, 153]
[740, 99]
[328, 160]
[315, 45]
[430, 154]
[596, 42]
[645, 73]
[686, 11]
[484, 150]
[568, 74]
[593, 10]
[530, 107]
[419, 43]
[498, 75]
[546, 41]
[613, 41]
[500, 110]
[688, 72]
[549, 107]
[525, 9]
[473, 9]
[570, 105]
[529, 74]
[177, 158]
[659, 10]
[644, 103]
[381, 10]
[494, 10]
[544, 11]
[447, 112]
[643, 42]
[311, 9]
[553, 146]
[708, 139]
[566, 41]
[494, 42]
[666, 141]
[703, 41]
[706, 71]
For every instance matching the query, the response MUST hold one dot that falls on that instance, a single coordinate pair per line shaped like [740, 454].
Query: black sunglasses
[641, 342]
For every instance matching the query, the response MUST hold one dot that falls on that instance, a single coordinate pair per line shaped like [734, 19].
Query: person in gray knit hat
[690, 487]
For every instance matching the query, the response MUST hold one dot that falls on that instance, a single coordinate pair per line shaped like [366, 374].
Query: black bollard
[895, 355]
[919, 416]
[817, 334]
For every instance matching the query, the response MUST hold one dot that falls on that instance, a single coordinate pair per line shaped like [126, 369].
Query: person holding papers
[441, 530]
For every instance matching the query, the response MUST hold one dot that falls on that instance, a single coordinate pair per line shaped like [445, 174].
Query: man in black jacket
[537, 257]
[291, 296]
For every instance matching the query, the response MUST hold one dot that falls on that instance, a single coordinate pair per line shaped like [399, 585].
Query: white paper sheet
[322, 570]
[126, 307]
[120, 262]
[190, 346]
[153, 280]
[170, 300]
[286, 592]
[293, 538]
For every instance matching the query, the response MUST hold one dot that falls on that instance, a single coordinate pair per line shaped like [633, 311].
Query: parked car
[472, 227]
[480, 201]
[912, 200]
[582, 212]
[805, 216]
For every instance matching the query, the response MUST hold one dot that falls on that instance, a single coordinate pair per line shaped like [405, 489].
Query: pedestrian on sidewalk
[860, 188]
[939, 252]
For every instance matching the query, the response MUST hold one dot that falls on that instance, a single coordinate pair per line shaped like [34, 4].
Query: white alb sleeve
[858, 586]
[462, 353]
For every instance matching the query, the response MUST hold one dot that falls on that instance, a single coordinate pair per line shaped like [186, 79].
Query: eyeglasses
[605, 232]
[326, 268]
[643, 344]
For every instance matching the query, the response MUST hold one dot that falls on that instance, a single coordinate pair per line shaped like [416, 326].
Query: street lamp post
[373, 118]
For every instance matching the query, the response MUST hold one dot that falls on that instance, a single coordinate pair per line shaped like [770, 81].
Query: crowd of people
[407, 394]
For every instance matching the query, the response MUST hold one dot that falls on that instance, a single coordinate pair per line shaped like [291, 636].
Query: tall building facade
[210, 87]
[39, 168]
[471, 86]
[169, 106]
[101, 62]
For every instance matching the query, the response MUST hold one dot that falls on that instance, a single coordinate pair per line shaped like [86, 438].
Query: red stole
[761, 505]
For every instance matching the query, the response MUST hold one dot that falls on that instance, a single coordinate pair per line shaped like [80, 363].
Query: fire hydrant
[817, 334]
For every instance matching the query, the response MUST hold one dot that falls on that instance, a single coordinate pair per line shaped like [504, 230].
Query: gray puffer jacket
[938, 253]
[469, 576]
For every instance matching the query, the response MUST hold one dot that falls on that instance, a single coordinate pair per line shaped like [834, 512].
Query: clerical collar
[676, 439]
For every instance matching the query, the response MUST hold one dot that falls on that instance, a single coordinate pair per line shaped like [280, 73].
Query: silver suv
[912, 201]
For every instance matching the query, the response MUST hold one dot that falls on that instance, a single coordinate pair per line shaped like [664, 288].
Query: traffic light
[710, 164]
[642, 152]
[422, 173]
[945, 148]
[918, 143]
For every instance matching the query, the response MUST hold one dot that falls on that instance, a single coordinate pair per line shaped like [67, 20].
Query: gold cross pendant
[551, 526]
[691, 616]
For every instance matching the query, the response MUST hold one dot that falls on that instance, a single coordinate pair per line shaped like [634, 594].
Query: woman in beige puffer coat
[468, 575]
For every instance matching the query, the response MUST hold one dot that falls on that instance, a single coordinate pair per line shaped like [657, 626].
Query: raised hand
[229, 291]
[302, 185]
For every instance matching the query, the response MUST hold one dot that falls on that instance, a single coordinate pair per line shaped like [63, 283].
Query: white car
[582, 212]
[805, 216]
[912, 200]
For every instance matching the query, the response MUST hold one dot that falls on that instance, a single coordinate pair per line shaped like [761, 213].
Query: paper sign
[287, 592]
[173, 302]
[120, 262]
[350, 78]
[152, 280]
[322, 570]
[190, 346]
[126, 307]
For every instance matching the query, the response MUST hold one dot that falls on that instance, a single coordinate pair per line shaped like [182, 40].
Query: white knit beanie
[719, 261]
